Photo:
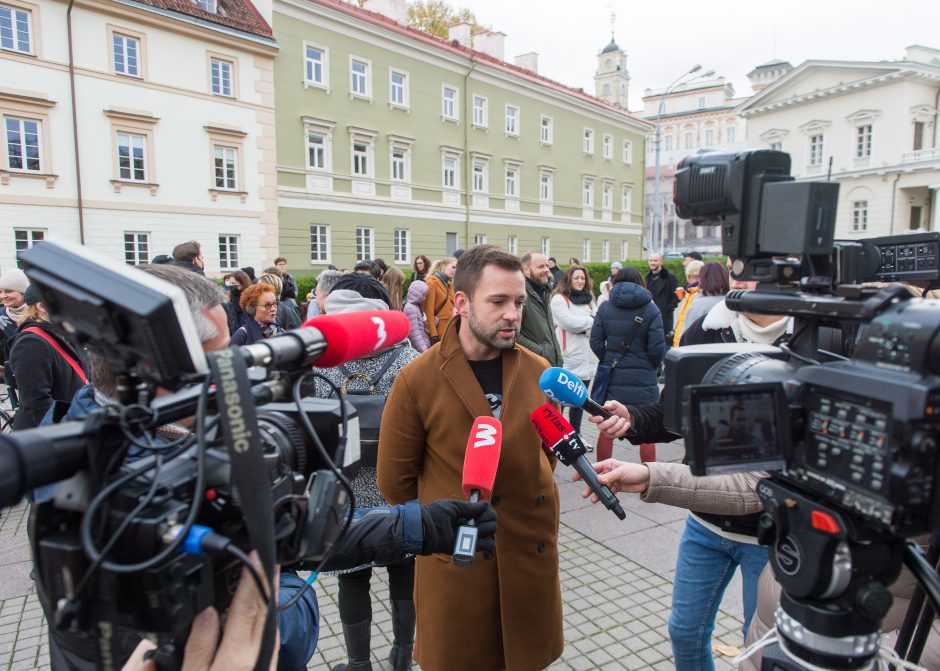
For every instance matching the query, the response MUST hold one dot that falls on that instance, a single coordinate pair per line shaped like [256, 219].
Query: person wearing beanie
[160, 259]
[355, 292]
[555, 270]
[46, 369]
[248, 270]
[13, 285]
[607, 284]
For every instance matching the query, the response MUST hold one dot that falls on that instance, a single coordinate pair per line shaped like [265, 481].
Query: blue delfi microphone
[564, 386]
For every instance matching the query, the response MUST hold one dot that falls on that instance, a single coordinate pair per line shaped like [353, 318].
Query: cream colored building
[173, 133]
[872, 125]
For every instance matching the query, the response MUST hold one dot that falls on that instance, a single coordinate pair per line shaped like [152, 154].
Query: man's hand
[441, 519]
[619, 476]
[617, 425]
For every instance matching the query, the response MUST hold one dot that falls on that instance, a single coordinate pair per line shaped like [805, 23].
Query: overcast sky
[665, 39]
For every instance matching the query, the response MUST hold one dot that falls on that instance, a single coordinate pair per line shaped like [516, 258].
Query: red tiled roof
[472, 54]
[238, 14]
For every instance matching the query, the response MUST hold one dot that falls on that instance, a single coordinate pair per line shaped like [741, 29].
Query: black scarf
[445, 280]
[580, 297]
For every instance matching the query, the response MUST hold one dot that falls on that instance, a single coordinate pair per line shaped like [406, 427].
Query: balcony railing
[921, 155]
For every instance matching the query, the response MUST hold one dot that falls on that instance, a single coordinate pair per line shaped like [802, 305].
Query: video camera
[151, 521]
[845, 415]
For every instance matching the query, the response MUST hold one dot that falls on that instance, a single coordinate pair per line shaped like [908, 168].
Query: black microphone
[560, 438]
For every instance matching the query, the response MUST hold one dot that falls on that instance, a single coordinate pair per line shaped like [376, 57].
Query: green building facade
[392, 143]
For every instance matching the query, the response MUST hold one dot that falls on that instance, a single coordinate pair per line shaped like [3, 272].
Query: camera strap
[239, 424]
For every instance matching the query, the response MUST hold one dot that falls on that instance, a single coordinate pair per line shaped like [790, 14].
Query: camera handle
[917, 621]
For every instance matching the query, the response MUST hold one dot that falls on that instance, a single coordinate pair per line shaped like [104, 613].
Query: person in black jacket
[188, 255]
[662, 285]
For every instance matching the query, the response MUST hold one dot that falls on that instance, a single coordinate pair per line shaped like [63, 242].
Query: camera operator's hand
[241, 640]
[619, 476]
[441, 519]
[617, 425]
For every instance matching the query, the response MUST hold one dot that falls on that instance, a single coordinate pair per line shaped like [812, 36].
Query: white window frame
[309, 66]
[859, 216]
[512, 244]
[131, 136]
[586, 250]
[123, 66]
[709, 137]
[815, 150]
[481, 177]
[608, 147]
[365, 78]
[861, 149]
[404, 161]
[365, 243]
[626, 201]
[16, 16]
[405, 89]
[226, 86]
[401, 245]
[228, 180]
[479, 238]
[701, 102]
[624, 250]
[546, 131]
[546, 186]
[605, 251]
[627, 152]
[481, 111]
[688, 139]
[368, 155]
[587, 192]
[326, 152]
[513, 120]
[210, 6]
[545, 245]
[731, 133]
[668, 141]
[511, 181]
[226, 252]
[776, 146]
[454, 172]
[319, 237]
[450, 106]
[133, 253]
[607, 196]
[587, 144]
[24, 238]
[23, 144]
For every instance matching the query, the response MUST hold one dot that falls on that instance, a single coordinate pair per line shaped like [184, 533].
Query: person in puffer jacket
[414, 308]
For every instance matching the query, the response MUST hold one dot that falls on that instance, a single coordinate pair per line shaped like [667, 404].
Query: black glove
[441, 519]
[435, 339]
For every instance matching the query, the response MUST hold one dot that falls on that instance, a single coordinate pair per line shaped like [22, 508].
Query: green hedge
[601, 271]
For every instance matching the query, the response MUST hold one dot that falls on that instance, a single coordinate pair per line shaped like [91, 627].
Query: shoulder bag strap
[58, 348]
[628, 340]
[393, 356]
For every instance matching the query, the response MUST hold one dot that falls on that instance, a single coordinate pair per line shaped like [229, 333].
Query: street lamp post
[656, 225]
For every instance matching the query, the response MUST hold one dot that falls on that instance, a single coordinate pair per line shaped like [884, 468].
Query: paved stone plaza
[616, 580]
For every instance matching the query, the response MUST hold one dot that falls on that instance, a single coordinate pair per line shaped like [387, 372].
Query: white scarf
[744, 329]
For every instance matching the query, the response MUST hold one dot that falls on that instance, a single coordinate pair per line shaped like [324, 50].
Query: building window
[709, 137]
[364, 243]
[480, 177]
[815, 149]
[730, 133]
[512, 182]
[776, 146]
[608, 147]
[588, 141]
[449, 103]
[607, 197]
[687, 140]
[208, 5]
[316, 150]
[546, 246]
[624, 250]
[360, 152]
[319, 243]
[667, 142]
[451, 178]
[701, 102]
[24, 238]
[860, 215]
[479, 111]
[15, 29]
[512, 120]
[126, 54]
[136, 248]
[228, 252]
[586, 250]
[316, 67]
[359, 84]
[626, 200]
[224, 164]
[627, 152]
[546, 130]
[23, 148]
[546, 187]
[399, 95]
[402, 243]
[221, 75]
[131, 157]
[588, 193]
[863, 141]
[479, 239]
[512, 244]
[400, 160]
[918, 135]
[605, 251]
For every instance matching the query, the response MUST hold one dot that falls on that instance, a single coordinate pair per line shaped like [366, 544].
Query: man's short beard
[489, 340]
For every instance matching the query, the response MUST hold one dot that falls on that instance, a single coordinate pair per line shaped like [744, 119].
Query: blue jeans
[704, 568]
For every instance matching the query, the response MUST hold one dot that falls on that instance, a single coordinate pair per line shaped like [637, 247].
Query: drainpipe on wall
[894, 197]
[78, 166]
[468, 164]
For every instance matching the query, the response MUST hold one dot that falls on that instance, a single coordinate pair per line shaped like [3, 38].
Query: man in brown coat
[505, 611]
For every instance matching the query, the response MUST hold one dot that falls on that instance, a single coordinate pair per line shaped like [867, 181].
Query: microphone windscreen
[353, 335]
[563, 386]
[549, 424]
[482, 456]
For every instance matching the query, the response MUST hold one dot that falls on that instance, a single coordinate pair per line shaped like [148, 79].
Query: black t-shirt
[490, 376]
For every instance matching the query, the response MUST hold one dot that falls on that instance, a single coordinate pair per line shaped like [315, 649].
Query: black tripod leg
[917, 620]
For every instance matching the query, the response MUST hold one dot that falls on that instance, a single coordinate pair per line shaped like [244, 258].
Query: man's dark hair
[279, 259]
[381, 264]
[160, 259]
[471, 264]
[364, 285]
[274, 270]
[187, 251]
[628, 274]
[694, 255]
[713, 280]
[248, 270]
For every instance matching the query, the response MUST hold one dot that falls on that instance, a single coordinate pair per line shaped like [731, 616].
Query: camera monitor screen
[737, 428]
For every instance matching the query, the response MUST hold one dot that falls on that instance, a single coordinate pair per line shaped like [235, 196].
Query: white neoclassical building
[871, 126]
[154, 125]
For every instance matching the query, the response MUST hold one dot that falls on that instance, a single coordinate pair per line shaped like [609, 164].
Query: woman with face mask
[235, 284]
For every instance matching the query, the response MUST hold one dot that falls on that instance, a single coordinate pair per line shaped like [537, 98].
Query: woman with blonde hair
[394, 281]
[687, 295]
[439, 304]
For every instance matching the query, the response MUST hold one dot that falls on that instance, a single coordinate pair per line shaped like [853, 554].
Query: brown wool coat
[505, 611]
[438, 303]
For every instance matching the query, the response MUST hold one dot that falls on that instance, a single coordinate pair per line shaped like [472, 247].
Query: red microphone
[480, 462]
[330, 340]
